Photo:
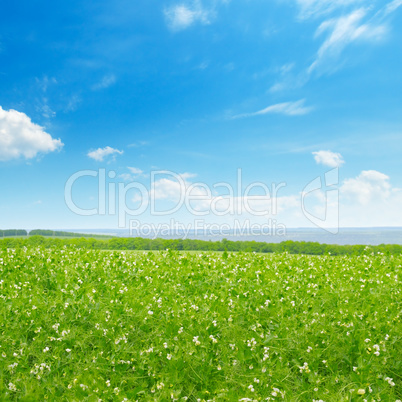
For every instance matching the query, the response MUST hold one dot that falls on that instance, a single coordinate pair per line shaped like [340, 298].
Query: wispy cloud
[288, 78]
[203, 65]
[101, 153]
[356, 26]
[328, 158]
[138, 144]
[72, 103]
[391, 7]
[297, 108]
[182, 16]
[44, 108]
[357, 21]
[42, 101]
[45, 82]
[105, 82]
[316, 8]
[342, 32]
[134, 173]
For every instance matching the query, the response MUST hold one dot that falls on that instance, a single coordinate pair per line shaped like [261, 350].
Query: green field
[92, 325]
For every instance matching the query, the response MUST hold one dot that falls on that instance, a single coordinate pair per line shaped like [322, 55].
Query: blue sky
[284, 90]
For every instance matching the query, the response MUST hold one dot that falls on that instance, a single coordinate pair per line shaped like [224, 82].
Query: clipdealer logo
[200, 199]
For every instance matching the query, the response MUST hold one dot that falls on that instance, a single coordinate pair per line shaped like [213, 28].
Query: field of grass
[113, 326]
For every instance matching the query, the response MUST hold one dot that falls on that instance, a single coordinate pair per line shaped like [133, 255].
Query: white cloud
[72, 103]
[101, 153]
[203, 65]
[392, 6]
[288, 78]
[172, 187]
[367, 200]
[314, 8]
[45, 82]
[186, 176]
[138, 144]
[287, 108]
[286, 68]
[46, 110]
[353, 27]
[182, 16]
[366, 187]
[328, 158]
[355, 21]
[342, 32]
[370, 200]
[42, 101]
[105, 82]
[19, 136]
[134, 173]
[126, 176]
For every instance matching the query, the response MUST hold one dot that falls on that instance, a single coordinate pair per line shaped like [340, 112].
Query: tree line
[40, 232]
[139, 243]
[13, 232]
[43, 232]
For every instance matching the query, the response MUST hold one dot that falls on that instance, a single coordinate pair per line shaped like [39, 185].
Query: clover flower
[389, 381]
[12, 387]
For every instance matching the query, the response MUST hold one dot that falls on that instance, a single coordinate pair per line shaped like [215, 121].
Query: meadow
[93, 325]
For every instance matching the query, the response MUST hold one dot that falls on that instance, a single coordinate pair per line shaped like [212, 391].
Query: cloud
[366, 187]
[203, 65]
[134, 173]
[138, 144]
[45, 82]
[315, 8]
[285, 72]
[391, 7]
[101, 153]
[289, 79]
[72, 103]
[44, 85]
[172, 187]
[367, 200]
[356, 21]
[328, 158]
[348, 29]
[45, 109]
[182, 16]
[105, 82]
[287, 108]
[370, 200]
[19, 136]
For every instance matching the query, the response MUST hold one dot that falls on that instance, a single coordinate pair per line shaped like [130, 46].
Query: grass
[154, 326]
